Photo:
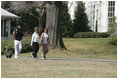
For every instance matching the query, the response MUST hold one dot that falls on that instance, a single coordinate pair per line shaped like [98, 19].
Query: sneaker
[44, 58]
[36, 58]
[16, 57]
[32, 56]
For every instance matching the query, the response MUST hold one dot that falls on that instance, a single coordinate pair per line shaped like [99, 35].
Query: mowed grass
[23, 68]
[92, 48]
[84, 48]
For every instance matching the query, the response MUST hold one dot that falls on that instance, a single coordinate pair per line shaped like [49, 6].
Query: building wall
[5, 28]
[97, 12]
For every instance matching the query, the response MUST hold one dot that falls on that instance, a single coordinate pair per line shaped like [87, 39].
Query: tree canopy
[66, 22]
[80, 22]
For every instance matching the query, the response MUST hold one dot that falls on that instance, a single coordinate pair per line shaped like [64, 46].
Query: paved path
[64, 59]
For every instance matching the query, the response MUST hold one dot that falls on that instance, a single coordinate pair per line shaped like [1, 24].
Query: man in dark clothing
[18, 34]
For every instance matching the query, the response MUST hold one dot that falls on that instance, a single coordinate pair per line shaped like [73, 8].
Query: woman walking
[45, 43]
[35, 42]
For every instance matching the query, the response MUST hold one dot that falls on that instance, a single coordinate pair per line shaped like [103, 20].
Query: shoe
[16, 57]
[32, 56]
[36, 58]
[44, 58]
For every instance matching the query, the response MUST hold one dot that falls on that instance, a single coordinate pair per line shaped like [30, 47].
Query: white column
[104, 17]
[95, 17]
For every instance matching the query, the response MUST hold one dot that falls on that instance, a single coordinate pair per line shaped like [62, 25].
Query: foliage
[80, 22]
[28, 22]
[5, 4]
[113, 30]
[29, 18]
[8, 45]
[114, 39]
[91, 35]
[26, 43]
[66, 22]
[113, 26]
[26, 10]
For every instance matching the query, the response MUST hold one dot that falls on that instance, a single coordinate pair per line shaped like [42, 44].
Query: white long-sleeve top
[35, 38]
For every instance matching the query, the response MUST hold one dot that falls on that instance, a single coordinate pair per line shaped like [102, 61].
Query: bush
[8, 46]
[26, 43]
[91, 35]
[114, 40]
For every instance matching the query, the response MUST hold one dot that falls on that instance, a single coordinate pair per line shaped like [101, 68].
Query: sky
[71, 10]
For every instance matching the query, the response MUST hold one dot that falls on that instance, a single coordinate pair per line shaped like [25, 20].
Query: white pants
[18, 48]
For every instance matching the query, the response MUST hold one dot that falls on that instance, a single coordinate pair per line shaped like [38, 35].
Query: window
[6, 28]
[110, 19]
[111, 10]
[1, 28]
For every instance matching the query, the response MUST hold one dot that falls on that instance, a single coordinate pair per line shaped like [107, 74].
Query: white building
[99, 14]
[5, 23]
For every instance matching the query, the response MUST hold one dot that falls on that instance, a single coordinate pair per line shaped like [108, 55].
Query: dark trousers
[35, 49]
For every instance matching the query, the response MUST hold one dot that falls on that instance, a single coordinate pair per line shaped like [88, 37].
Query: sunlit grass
[23, 68]
[84, 48]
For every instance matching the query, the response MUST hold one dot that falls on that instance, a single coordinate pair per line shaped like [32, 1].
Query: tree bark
[53, 23]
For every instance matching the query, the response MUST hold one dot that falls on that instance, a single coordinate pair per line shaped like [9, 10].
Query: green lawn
[84, 48]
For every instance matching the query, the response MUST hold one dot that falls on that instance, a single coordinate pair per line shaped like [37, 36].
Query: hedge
[8, 46]
[91, 35]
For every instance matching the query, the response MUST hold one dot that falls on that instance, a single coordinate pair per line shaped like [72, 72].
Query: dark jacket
[18, 34]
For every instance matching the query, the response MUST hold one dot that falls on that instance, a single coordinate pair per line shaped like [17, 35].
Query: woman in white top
[45, 43]
[35, 42]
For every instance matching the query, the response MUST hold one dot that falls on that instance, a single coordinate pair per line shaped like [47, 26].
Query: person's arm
[42, 36]
[32, 39]
[13, 32]
[16, 34]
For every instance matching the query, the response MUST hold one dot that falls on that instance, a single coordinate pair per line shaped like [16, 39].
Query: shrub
[114, 40]
[8, 46]
[26, 45]
[91, 35]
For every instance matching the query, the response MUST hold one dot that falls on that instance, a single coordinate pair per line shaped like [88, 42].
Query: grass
[22, 68]
[83, 48]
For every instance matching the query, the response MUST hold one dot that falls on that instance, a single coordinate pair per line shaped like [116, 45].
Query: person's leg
[20, 47]
[44, 51]
[16, 45]
[35, 49]
[47, 49]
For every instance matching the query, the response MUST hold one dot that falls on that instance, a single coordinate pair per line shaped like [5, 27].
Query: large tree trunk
[53, 23]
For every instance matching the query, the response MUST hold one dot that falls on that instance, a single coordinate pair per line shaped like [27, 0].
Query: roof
[7, 14]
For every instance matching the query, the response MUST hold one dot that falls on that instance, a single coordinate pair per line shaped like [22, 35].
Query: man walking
[18, 34]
